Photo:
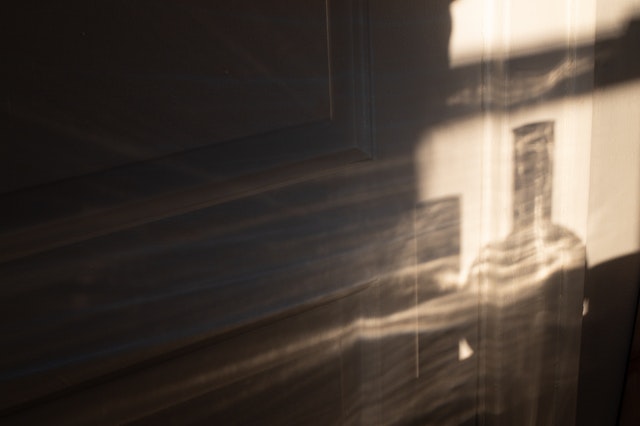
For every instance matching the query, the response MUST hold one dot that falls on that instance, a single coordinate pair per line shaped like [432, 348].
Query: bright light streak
[464, 350]
[585, 307]
[508, 27]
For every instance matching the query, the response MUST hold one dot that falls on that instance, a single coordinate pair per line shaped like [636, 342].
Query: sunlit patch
[464, 350]
[585, 306]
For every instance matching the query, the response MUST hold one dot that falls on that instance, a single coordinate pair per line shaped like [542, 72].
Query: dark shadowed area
[212, 213]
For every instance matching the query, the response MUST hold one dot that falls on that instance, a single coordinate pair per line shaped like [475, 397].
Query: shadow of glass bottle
[531, 288]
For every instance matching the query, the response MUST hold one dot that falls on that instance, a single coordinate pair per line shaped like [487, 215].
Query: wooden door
[210, 215]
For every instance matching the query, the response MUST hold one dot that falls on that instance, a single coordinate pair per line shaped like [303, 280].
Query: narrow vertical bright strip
[491, 17]
[416, 313]
[573, 150]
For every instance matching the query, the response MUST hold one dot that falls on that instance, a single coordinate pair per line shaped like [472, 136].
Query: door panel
[187, 278]
[261, 259]
[296, 359]
[102, 85]
[115, 110]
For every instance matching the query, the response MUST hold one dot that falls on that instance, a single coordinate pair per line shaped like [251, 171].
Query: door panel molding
[53, 202]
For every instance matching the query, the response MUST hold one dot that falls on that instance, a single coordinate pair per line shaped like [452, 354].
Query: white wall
[597, 161]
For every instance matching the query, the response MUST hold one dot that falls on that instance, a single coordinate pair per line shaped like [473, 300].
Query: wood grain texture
[132, 82]
[149, 289]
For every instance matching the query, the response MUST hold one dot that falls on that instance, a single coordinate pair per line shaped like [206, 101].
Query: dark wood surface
[189, 230]
[113, 83]
[162, 260]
